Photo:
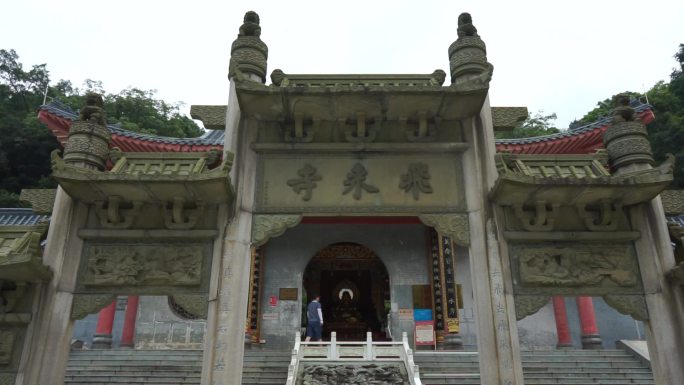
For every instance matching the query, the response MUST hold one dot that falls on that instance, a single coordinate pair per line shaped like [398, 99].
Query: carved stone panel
[144, 268]
[562, 268]
[337, 182]
[632, 305]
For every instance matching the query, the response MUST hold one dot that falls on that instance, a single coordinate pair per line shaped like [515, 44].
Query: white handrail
[411, 367]
[293, 368]
[369, 351]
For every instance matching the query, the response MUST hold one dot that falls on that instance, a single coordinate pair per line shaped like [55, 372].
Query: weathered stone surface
[632, 305]
[673, 201]
[248, 54]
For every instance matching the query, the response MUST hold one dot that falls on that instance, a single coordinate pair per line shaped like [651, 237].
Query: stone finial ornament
[622, 111]
[89, 137]
[93, 111]
[468, 54]
[465, 25]
[248, 54]
[626, 140]
[250, 26]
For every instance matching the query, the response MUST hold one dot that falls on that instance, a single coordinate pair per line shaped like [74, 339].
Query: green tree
[25, 144]
[535, 125]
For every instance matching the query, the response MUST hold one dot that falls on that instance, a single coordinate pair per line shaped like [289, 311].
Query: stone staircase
[267, 367]
[166, 367]
[136, 367]
[561, 367]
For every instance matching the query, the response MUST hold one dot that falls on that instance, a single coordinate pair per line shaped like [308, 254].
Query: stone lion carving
[465, 25]
[93, 111]
[622, 112]
[250, 26]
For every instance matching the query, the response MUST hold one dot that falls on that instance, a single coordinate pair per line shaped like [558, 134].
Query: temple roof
[581, 140]
[58, 117]
[20, 217]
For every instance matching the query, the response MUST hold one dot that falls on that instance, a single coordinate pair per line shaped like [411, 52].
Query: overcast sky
[555, 56]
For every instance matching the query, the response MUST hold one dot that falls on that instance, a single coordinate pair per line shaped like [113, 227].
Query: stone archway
[354, 287]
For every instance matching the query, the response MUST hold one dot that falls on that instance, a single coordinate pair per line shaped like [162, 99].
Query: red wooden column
[129, 322]
[103, 330]
[562, 328]
[591, 339]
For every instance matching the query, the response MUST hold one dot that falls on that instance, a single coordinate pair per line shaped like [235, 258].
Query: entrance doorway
[354, 287]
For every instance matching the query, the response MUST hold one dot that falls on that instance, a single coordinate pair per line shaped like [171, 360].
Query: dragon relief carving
[577, 266]
[163, 264]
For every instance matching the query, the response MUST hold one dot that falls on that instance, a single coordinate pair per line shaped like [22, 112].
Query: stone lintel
[379, 102]
[212, 116]
[533, 236]
[147, 234]
[310, 148]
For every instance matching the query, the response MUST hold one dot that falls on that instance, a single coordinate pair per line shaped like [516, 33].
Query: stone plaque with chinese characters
[369, 183]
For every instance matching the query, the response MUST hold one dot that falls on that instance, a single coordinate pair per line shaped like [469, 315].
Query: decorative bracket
[455, 226]
[606, 219]
[265, 227]
[300, 134]
[528, 304]
[84, 304]
[179, 217]
[117, 214]
[632, 305]
[361, 134]
[424, 133]
[540, 220]
[189, 306]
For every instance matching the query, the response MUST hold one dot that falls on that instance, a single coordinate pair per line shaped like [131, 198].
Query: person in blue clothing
[314, 316]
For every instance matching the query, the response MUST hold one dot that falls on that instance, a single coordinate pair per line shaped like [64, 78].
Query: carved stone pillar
[103, 330]
[591, 339]
[497, 334]
[128, 333]
[562, 326]
[51, 329]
